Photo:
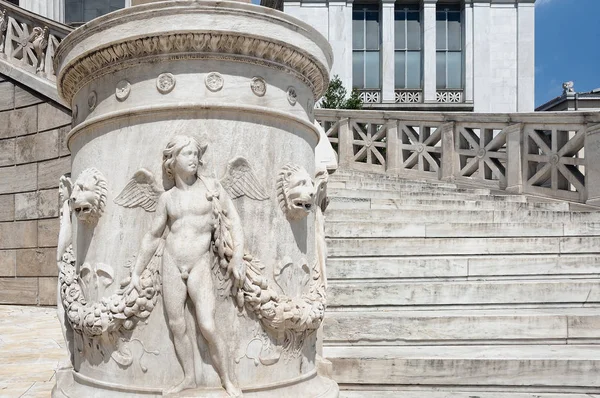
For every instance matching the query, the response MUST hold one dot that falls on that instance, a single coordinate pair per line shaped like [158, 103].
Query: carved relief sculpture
[39, 40]
[176, 279]
[186, 262]
[295, 191]
[3, 27]
[88, 195]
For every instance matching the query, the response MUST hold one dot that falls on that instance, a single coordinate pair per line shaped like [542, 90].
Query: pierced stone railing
[370, 96]
[27, 45]
[555, 155]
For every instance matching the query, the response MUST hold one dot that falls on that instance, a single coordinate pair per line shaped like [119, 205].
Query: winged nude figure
[187, 217]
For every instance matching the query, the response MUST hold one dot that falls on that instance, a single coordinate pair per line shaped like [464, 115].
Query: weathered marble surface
[197, 255]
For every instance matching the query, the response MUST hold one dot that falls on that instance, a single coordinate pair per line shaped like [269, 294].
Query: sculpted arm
[151, 240]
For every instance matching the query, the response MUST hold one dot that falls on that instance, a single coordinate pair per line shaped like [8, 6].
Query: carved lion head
[295, 191]
[88, 197]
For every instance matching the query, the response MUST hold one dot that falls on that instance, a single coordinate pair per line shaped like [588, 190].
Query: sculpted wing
[141, 191]
[240, 180]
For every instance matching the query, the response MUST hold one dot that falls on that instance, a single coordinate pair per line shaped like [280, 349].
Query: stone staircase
[440, 291]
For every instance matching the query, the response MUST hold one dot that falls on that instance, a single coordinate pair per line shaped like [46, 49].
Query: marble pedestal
[238, 82]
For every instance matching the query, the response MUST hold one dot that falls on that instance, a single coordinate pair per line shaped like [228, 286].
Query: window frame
[447, 9]
[364, 8]
[408, 8]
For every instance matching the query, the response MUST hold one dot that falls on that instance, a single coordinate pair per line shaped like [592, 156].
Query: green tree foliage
[335, 96]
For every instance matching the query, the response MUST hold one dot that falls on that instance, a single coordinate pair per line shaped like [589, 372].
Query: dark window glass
[407, 68]
[78, 12]
[366, 38]
[449, 68]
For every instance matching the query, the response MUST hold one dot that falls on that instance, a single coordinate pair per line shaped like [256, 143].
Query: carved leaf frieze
[194, 46]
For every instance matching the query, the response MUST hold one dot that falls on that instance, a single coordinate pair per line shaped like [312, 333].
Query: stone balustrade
[29, 41]
[554, 155]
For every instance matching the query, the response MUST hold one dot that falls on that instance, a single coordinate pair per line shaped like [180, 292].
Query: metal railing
[555, 155]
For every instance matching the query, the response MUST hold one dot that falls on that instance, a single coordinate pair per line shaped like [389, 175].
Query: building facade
[468, 55]
[431, 54]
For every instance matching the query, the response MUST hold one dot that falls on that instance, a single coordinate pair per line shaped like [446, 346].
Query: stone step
[481, 293]
[438, 203]
[434, 392]
[347, 247]
[523, 326]
[343, 178]
[460, 216]
[366, 229]
[423, 195]
[563, 368]
[425, 204]
[472, 267]
[367, 185]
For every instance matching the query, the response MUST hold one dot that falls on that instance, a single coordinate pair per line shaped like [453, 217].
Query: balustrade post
[592, 164]
[393, 160]
[449, 159]
[514, 158]
[346, 154]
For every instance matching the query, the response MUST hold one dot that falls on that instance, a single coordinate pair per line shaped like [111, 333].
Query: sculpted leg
[202, 293]
[174, 295]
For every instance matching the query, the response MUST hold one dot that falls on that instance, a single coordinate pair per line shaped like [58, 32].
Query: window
[78, 12]
[449, 62]
[407, 31]
[365, 47]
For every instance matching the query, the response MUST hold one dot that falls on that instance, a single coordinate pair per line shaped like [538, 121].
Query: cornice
[198, 45]
[193, 29]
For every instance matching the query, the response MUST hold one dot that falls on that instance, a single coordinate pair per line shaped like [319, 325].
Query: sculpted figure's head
[183, 155]
[88, 197]
[296, 191]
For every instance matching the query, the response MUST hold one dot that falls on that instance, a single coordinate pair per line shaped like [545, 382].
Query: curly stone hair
[175, 146]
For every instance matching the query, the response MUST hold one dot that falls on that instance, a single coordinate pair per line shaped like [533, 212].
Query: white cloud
[542, 2]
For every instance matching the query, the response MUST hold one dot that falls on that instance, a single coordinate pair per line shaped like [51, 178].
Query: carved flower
[115, 304]
[68, 274]
[145, 281]
[72, 294]
[74, 313]
[148, 293]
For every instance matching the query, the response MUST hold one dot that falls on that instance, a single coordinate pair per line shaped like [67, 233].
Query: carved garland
[110, 314]
[193, 46]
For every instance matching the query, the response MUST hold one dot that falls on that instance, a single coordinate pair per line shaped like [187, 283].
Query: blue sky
[567, 43]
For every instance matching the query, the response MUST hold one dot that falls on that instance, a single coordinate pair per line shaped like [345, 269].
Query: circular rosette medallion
[165, 82]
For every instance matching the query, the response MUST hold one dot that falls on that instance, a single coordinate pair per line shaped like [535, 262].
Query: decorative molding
[122, 90]
[258, 86]
[292, 96]
[370, 96]
[92, 100]
[449, 96]
[165, 82]
[214, 81]
[210, 45]
[408, 96]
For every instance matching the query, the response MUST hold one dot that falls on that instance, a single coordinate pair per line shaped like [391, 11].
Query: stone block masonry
[33, 155]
